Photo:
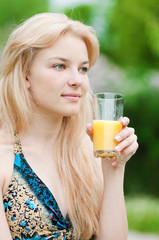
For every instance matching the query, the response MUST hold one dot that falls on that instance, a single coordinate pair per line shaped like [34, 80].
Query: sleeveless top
[31, 210]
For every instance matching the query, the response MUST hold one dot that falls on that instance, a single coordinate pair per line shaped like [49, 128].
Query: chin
[71, 113]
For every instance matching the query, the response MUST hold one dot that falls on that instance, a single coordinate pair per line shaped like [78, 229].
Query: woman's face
[58, 77]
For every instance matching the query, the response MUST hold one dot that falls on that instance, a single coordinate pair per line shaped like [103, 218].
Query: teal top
[31, 210]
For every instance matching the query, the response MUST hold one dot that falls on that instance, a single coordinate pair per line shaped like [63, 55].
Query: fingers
[130, 150]
[89, 130]
[125, 155]
[127, 142]
[124, 121]
[127, 145]
[125, 133]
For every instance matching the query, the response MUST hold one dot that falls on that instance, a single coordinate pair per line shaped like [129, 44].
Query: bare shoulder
[6, 160]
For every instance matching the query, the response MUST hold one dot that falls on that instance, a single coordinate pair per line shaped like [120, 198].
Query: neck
[42, 130]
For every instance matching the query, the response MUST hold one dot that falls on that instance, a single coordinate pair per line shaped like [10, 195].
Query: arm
[113, 220]
[4, 229]
[5, 170]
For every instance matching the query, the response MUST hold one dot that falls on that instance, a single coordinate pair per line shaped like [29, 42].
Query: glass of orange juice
[108, 108]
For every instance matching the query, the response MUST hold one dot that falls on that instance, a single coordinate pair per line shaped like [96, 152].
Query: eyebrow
[66, 60]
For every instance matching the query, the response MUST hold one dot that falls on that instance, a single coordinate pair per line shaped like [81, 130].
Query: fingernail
[117, 148]
[117, 138]
[123, 121]
[113, 164]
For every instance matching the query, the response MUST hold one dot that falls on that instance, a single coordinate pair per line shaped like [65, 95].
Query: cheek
[86, 85]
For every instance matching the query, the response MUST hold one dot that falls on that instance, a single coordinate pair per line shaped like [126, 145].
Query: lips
[74, 97]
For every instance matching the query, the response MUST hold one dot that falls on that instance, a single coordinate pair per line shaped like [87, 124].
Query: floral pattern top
[31, 210]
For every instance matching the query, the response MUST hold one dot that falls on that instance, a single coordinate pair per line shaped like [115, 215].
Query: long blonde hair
[77, 168]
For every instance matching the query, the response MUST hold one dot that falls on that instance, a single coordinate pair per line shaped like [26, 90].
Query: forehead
[68, 45]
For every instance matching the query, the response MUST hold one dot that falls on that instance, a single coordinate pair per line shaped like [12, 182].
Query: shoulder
[6, 160]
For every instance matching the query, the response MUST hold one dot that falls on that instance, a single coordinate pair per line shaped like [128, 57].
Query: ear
[27, 81]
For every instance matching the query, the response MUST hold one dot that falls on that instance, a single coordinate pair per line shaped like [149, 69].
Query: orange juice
[104, 132]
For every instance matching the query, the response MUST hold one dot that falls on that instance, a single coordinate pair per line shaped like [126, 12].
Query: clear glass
[108, 109]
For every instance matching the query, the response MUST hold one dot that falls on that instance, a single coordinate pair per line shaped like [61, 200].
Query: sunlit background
[128, 32]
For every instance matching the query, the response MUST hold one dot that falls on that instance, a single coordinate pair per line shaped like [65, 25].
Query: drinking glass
[108, 109]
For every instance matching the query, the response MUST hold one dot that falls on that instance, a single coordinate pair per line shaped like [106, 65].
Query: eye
[59, 66]
[83, 69]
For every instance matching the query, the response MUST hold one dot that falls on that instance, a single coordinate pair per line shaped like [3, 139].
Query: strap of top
[17, 144]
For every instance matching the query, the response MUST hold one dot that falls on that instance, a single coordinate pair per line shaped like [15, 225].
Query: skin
[113, 218]
[58, 81]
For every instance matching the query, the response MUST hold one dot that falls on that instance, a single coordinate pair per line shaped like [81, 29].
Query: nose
[75, 78]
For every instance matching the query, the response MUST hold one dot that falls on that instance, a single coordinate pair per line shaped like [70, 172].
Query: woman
[51, 187]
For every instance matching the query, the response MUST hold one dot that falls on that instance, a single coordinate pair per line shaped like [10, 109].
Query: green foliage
[81, 13]
[142, 170]
[128, 33]
[93, 15]
[17, 10]
[143, 214]
[13, 12]
[132, 36]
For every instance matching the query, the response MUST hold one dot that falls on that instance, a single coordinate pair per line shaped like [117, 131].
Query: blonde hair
[76, 164]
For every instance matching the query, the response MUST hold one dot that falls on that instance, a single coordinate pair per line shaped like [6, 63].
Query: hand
[127, 141]
[89, 131]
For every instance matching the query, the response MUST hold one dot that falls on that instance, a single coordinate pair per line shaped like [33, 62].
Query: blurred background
[128, 32]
